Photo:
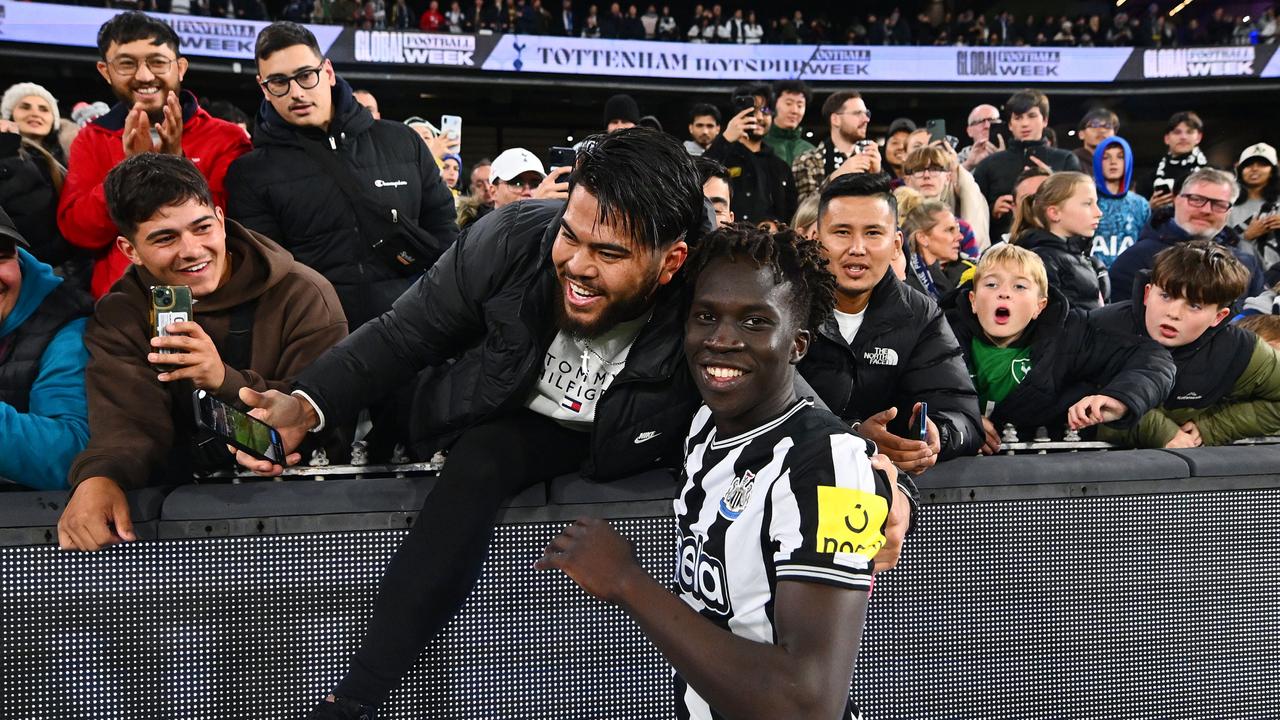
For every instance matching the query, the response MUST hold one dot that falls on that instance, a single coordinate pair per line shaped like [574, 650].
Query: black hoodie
[282, 192]
[1069, 265]
[1070, 359]
[1208, 368]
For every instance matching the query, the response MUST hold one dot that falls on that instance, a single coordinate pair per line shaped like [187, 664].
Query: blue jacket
[1155, 238]
[36, 448]
[1123, 214]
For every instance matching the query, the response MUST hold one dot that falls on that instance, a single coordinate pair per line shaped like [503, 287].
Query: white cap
[1259, 150]
[513, 163]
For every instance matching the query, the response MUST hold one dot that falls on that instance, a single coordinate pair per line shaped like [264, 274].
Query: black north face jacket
[280, 191]
[903, 353]
[483, 318]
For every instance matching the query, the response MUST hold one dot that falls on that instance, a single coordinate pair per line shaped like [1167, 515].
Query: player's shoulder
[817, 430]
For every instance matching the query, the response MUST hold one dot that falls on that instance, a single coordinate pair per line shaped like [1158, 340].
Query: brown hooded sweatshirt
[134, 419]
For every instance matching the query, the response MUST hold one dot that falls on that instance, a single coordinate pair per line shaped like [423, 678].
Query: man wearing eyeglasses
[846, 150]
[979, 131]
[1097, 125]
[334, 186]
[763, 187]
[1200, 212]
[142, 62]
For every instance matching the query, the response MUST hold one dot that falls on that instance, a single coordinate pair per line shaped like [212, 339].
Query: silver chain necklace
[587, 352]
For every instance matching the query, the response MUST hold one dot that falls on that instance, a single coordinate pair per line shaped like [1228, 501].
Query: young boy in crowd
[1124, 212]
[1036, 363]
[259, 319]
[782, 510]
[1228, 384]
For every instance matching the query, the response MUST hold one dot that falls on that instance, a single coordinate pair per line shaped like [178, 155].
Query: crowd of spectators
[953, 289]
[1148, 26]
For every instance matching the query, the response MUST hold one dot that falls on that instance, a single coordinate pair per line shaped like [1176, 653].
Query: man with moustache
[888, 351]
[564, 321]
[763, 188]
[143, 63]
[848, 116]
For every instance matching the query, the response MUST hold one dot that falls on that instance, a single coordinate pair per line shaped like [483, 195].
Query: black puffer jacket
[280, 191]
[1070, 267]
[763, 186]
[487, 305]
[1207, 368]
[28, 194]
[997, 174]
[903, 353]
[1070, 359]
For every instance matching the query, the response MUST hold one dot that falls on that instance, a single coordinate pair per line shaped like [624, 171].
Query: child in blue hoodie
[1124, 212]
[44, 417]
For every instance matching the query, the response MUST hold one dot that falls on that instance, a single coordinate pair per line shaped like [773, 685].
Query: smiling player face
[742, 340]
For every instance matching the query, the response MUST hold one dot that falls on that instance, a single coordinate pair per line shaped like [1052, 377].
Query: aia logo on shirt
[737, 496]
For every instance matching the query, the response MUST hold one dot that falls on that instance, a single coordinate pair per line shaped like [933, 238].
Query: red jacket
[431, 21]
[210, 143]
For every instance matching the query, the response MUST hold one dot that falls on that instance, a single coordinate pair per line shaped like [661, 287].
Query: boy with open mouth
[1035, 362]
[781, 518]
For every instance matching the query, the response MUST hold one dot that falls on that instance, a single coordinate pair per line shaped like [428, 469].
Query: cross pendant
[586, 362]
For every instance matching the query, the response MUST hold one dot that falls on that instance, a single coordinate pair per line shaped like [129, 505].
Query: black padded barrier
[1124, 584]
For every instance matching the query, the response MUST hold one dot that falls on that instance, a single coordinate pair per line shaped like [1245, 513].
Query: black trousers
[437, 565]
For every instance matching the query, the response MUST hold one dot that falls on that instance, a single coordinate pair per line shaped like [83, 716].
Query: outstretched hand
[290, 415]
[913, 456]
[1095, 410]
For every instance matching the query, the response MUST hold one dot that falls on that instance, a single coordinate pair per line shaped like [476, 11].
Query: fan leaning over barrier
[565, 325]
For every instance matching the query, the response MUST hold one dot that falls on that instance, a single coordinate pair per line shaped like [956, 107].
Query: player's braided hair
[793, 259]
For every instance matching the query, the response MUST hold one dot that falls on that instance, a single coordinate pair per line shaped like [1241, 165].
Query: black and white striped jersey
[794, 499]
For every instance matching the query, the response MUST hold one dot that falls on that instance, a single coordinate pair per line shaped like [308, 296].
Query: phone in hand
[1039, 152]
[1001, 130]
[238, 428]
[920, 428]
[9, 144]
[560, 157]
[937, 128]
[743, 102]
[169, 304]
[1163, 185]
[451, 127]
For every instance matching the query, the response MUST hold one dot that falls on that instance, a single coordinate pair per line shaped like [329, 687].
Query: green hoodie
[787, 144]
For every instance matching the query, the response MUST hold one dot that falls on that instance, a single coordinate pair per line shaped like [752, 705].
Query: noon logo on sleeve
[850, 522]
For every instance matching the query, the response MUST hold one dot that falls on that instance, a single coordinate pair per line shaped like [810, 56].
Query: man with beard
[763, 187]
[1200, 211]
[564, 322]
[142, 61]
[849, 117]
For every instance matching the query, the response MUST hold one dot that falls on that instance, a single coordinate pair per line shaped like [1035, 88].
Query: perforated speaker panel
[1155, 606]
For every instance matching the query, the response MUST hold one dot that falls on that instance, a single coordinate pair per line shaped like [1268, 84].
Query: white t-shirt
[567, 391]
[849, 324]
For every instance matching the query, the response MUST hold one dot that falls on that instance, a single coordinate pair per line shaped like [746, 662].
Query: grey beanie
[15, 93]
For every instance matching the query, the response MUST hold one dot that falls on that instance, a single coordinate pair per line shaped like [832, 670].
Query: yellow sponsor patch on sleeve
[850, 521]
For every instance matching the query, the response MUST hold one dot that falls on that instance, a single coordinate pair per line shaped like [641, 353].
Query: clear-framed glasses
[930, 170]
[984, 121]
[278, 85]
[128, 66]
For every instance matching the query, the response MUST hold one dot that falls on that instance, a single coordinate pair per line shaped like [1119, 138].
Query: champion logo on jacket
[390, 183]
[882, 356]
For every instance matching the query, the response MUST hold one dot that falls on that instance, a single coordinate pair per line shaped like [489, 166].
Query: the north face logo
[882, 356]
